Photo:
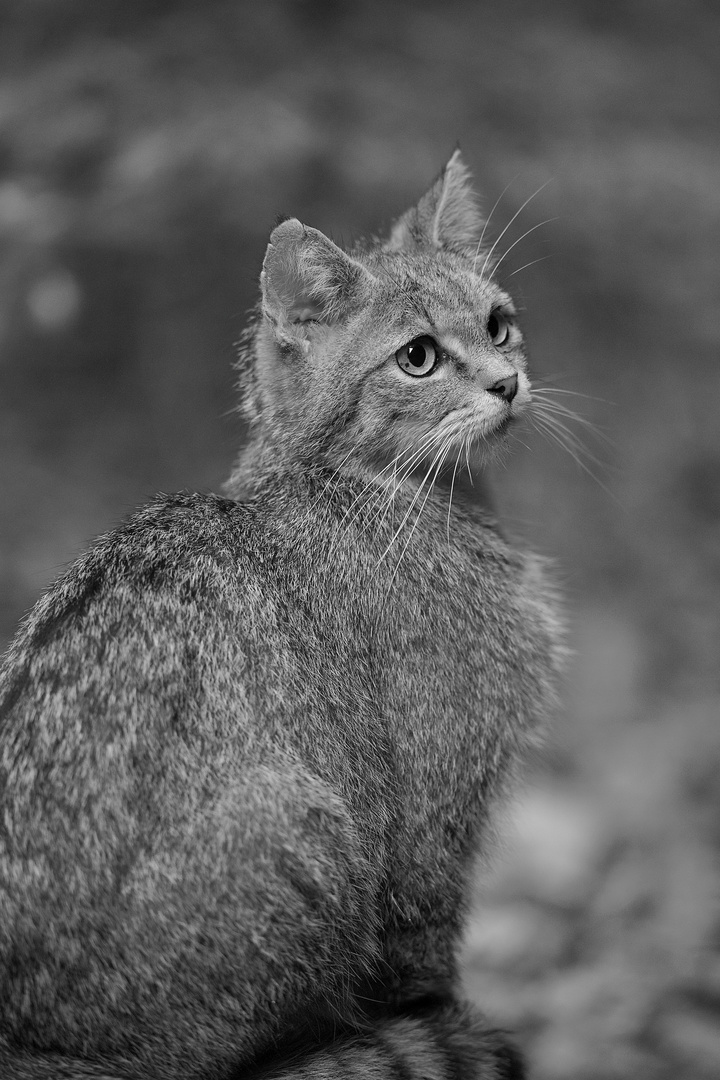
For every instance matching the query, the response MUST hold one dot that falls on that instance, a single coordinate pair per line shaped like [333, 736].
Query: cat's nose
[505, 388]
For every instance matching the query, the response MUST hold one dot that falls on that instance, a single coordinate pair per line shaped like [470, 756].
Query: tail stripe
[413, 1051]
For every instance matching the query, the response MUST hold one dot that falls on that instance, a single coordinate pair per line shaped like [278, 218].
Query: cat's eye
[498, 328]
[418, 357]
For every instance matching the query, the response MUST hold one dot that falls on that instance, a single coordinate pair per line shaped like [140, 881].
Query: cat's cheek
[523, 397]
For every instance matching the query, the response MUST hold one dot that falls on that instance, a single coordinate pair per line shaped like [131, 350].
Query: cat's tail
[450, 1042]
[50, 1067]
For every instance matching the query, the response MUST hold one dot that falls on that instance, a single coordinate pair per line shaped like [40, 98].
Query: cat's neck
[260, 468]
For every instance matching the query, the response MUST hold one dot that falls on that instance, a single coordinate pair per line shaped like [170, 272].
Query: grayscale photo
[359, 540]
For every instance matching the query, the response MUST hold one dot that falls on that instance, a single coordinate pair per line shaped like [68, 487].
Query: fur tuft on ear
[447, 215]
[307, 278]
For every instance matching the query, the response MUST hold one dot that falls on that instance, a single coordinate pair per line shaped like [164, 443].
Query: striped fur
[250, 746]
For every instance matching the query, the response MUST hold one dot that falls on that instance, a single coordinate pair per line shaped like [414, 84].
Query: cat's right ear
[448, 214]
[307, 279]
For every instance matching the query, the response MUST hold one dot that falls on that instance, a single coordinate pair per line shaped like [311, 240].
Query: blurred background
[146, 147]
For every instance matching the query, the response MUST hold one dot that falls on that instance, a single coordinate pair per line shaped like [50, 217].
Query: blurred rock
[595, 1017]
[515, 937]
[557, 839]
[54, 301]
[693, 1038]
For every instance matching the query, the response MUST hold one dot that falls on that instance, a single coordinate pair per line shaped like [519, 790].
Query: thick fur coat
[249, 745]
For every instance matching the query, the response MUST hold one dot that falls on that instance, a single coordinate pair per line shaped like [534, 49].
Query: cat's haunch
[250, 745]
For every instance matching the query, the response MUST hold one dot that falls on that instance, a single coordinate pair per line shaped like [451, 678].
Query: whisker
[525, 266]
[370, 486]
[334, 474]
[373, 481]
[382, 502]
[514, 435]
[467, 459]
[557, 425]
[487, 221]
[382, 506]
[573, 393]
[557, 419]
[570, 414]
[442, 454]
[549, 430]
[545, 428]
[411, 506]
[516, 242]
[548, 403]
[452, 489]
[403, 469]
[517, 213]
[574, 450]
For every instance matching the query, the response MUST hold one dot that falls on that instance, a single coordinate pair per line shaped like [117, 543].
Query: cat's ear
[448, 214]
[308, 279]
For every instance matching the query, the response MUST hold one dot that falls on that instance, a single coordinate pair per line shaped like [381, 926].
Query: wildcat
[249, 745]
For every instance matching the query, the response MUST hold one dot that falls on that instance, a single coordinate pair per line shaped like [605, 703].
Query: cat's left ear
[308, 279]
[448, 214]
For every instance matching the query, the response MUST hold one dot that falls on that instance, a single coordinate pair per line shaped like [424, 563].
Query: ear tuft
[307, 278]
[447, 216]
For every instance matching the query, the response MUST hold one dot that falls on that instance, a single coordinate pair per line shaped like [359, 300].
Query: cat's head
[405, 348]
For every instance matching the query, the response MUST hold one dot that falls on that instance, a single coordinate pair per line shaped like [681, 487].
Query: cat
[250, 743]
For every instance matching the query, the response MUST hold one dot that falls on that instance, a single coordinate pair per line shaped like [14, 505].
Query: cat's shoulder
[170, 537]
[184, 525]
[174, 548]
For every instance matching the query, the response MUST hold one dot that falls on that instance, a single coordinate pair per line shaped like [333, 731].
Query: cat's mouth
[479, 425]
[468, 433]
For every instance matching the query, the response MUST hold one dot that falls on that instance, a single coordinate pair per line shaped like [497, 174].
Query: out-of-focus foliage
[145, 150]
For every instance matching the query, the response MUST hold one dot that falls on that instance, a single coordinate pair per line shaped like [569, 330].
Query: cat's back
[153, 786]
[140, 584]
[202, 636]
[96, 690]
[181, 565]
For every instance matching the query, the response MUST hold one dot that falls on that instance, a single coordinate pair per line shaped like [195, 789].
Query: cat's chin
[501, 428]
[491, 434]
[475, 448]
[485, 448]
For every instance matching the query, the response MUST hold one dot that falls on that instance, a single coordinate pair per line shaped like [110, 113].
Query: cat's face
[436, 366]
[406, 351]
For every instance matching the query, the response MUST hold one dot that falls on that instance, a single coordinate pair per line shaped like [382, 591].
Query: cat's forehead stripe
[452, 343]
[433, 276]
[468, 291]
